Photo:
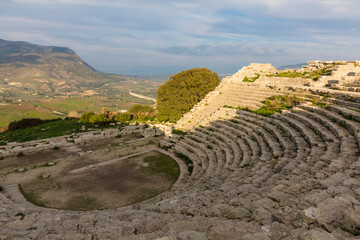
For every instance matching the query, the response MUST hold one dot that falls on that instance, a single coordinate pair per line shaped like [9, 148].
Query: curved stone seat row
[304, 159]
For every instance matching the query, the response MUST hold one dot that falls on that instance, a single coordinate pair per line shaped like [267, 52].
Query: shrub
[182, 91]
[138, 110]
[85, 118]
[122, 117]
[98, 119]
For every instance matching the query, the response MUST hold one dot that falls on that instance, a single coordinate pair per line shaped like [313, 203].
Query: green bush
[138, 110]
[85, 118]
[123, 117]
[182, 91]
[98, 119]
[144, 118]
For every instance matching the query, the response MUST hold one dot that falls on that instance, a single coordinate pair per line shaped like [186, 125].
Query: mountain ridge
[51, 78]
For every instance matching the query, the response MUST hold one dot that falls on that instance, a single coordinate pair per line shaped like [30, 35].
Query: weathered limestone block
[333, 81]
[317, 234]
[149, 132]
[328, 213]
[263, 216]
[192, 235]
[256, 236]
[352, 220]
[237, 213]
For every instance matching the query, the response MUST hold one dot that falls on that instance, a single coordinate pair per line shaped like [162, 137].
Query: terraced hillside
[293, 175]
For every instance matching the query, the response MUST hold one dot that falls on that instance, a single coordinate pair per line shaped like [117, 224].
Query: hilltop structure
[294, 174]
[252, 84]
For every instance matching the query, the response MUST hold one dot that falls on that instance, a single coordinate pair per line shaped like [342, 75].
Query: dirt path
[142, 96]
[110, 161]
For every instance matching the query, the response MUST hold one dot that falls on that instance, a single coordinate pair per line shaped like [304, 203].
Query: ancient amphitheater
[293, 175]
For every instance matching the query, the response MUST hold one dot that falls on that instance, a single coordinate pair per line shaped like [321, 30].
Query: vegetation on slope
[182, 91]
[275, 104]
[46, 130]
[314, 75]
[29, 129]
[138, 113]
[251, 79]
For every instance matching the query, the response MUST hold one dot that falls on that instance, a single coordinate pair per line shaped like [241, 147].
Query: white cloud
[187, 32]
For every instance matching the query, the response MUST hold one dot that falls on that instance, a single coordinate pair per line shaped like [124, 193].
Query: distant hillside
[32, 73]
[161, 78]
[35, 68]
[295, 66]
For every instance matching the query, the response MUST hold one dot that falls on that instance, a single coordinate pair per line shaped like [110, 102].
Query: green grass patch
[163, 164]
[31, 228]
[43, 131]
[8, 114]
[314, 75]
[31, 197]
[83, 203]
[21, 215]
[317, 101]
[251, 79]
[179, 132]
[187, 160]
[275, 104]
[274, 200]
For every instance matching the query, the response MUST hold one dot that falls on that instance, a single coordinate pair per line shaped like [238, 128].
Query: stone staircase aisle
[234, 94]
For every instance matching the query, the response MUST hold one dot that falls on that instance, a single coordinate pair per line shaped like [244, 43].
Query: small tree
[104, 110]
[138, 110]
[98, 119]
[123, 117]
[85, 118]
[182, 91]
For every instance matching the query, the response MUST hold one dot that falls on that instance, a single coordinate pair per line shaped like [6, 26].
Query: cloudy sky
[165, 36]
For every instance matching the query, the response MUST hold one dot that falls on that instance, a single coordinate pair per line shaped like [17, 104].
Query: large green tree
[182, 91]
